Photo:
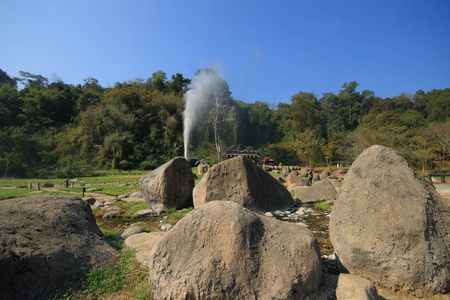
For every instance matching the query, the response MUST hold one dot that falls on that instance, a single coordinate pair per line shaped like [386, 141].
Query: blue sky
[267, 50]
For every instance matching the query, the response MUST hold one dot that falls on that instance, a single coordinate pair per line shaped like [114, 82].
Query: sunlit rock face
[391, 226]
[171, 184]
[241, 181]
[225, 251]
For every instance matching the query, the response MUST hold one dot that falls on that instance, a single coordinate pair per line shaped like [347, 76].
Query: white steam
[205, 86]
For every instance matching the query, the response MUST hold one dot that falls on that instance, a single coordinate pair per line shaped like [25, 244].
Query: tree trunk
[6, 168]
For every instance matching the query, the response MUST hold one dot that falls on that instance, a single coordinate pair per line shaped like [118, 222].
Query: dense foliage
[56, 129]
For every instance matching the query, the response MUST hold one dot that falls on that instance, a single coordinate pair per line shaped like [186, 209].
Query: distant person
[310, 176]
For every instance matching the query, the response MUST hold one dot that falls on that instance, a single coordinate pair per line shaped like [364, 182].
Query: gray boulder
[241, 181]
[202, 169]
[224, 251]
[48, 244]
[130, 231]
[324, 175]
[319, 191]
[285, 171]
[171, 184]
[316, 177]
[353, 287]
[142, 244]
[390, 225]
[294, 179]
[137, 195]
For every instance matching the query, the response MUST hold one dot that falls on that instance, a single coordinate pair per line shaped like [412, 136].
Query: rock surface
[324, 175]
[130, 231]
[352, 287]
[224, 251]
[171, 184]
[294, 179]
[48, 244]
[142, 244]
[241, 181]
[319, 191]
[391, 226]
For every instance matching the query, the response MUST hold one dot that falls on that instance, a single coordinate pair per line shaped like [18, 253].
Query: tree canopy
[50, 128]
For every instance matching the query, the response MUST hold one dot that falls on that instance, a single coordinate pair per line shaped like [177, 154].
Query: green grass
[111, 236]
[176, 215]
[124, 279]
[110, 189]
[323, 206]
[16, 193]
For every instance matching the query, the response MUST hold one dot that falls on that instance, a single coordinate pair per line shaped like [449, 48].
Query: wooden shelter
[268, 161]
[248, 154]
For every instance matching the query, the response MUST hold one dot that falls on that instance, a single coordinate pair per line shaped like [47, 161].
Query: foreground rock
[319, 191]
[390, 225]
[142, 244]
[171, 184]
[48, 244]
[224, 251]
[353, 287]
[241, 181]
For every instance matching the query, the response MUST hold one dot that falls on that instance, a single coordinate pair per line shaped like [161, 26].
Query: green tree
[438, 106]
[349, 106]
[308, 146]
[305, 112]
[158, 81]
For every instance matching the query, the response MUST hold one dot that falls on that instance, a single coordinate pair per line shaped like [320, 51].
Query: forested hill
[49, 128]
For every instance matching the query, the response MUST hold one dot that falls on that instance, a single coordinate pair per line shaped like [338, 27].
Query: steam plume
[205, 85]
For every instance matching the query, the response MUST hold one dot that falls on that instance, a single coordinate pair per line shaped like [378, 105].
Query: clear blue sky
[267, 50]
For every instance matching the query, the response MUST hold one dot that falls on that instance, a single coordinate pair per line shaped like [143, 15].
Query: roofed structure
[251, 155]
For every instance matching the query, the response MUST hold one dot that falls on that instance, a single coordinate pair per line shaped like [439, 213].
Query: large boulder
[319, 191]
[241, 181]
[285, 171]
[294, 179]
[324, 175]
[390, 225]
[338, 174]
[225, 251]
[171, 184]
[47, 245]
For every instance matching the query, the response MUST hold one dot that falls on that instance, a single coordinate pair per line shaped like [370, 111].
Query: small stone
[166, 227]
[111, 214]
[269, 214]
[130, 231]
[147, 213]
